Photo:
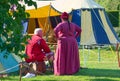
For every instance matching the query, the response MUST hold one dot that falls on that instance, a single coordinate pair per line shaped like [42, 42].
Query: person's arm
[44, 46]
[57, 29]
[78, 31]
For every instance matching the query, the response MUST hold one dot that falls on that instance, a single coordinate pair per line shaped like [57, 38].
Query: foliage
[114, 17]
[109, 4]
[12, 12]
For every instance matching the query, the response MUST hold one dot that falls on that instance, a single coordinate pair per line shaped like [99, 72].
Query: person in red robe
[37, 50]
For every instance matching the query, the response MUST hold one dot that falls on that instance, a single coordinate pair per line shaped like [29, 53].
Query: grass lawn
[95, 67]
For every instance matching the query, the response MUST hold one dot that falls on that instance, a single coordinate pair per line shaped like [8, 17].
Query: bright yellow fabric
[31, 26]
[42, 14]
[44, 11]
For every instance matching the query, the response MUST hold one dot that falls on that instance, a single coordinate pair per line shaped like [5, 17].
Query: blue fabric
[76, 18]
[8, 62]
[25, 26]
[111, 27]
[99, 33]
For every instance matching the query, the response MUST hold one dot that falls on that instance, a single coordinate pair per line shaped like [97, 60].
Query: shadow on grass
[8, 79]
[16, 77]
[104, 73]
[99, 73]
[102, 80]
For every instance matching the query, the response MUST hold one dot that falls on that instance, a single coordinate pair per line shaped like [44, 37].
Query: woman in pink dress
[66, 60]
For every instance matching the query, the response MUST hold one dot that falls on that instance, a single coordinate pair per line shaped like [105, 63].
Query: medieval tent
[45, 17]
[9, 64]
[40, 17]
[90, 16]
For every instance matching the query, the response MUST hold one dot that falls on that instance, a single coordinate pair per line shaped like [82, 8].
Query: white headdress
[37, 30]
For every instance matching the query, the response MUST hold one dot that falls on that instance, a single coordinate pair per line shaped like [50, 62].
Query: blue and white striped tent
[92, 18]
[96, 27]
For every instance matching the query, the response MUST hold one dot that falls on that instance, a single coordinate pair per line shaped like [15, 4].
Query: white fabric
[29, 75]
[68, 4]
[74, 4]
[39, 4]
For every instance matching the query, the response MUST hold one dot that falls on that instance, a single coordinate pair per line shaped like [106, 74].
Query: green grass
[93, 69]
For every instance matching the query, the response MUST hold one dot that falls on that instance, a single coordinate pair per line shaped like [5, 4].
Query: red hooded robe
[36, 49]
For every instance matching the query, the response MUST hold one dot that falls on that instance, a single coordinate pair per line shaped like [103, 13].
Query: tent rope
[96, 15]
[9, 68]
[98, 18]
[114, 17]
[48, 31]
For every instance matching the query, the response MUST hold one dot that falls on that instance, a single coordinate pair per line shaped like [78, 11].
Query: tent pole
[48, 23]
[117, 51]
[99, 53]
[84, 56]
[88, 53]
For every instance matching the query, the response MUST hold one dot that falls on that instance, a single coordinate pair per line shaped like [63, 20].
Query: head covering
[64, 15]
[37, 30]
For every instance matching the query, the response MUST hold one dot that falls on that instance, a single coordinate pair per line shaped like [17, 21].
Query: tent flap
[9, 64]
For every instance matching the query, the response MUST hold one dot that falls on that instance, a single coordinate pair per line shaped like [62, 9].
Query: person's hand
[51, 58]
[45, 58]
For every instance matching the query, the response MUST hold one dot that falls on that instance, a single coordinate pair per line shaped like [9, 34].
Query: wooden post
[117, 51]
[20, 71]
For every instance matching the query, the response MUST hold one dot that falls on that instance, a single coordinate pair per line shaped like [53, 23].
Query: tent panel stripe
[87, 36]
[76, 18]
[109, 30]
[111, 27]
[99, 32]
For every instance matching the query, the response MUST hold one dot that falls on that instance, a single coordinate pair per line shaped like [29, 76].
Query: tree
[12, 12]
[109, 4]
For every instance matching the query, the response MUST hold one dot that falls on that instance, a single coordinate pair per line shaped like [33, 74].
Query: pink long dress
[66, 60]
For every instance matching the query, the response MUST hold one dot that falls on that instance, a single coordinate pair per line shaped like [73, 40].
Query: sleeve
[44, 46]
[78, 31]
